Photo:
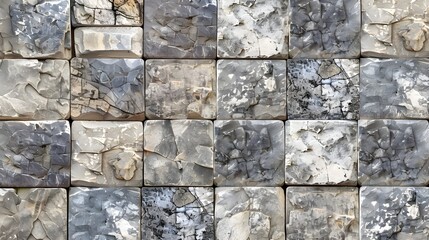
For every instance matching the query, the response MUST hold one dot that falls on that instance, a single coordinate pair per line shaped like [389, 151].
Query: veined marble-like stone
[321, 152]
[251, 89]
[394, 88]
[324, 28]
[322, 213]
[250, 213]
[33, 213]
[396, 213]
[178, 153]
[180, 89]
[116, 42]
[178, 213]
[180, 29]
[107, 89]
[34, 90]
[323, 89]
[252, 29]
[35, 29]
[249, 153]
[107, 153]
[104, 213]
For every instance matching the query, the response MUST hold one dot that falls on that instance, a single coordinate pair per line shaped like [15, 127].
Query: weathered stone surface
[398, 213]
[178, 213]
[116, 42]
[107, 89]
[323, 89]
[322, 213]
[394, 88]
[180, 29]
[34, 90]
[178, 153]
[249, 153]
[104, 213]
[36, 213]
[321, 152]
[107, 153]
[253, 29]
[250, 213]
[180, 89]
[324, 28]
[251, 89]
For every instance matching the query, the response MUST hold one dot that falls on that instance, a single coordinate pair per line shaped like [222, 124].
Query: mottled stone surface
[178, 213]
[180, 29]
[322, 213]
[250, 213]
[104, 213]
[177, 89]
[252, 29]
[249, 153]
[321, 152]
[394, 88]
[251, 89]
[34, 90]
[178, 153]
[107, 153]
[398, 213]
[36, 213]
[109, 89]
[323, 89]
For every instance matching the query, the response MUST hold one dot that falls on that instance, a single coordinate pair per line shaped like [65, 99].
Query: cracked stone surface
[178, 213]
[34, 90]
[324, 28]
[394, 88]
[249, 153]
[107, 89]
[251, 89]
[250, 213]
[321, 152]
[107, 154]
[322, 213]
[252, 29]
[177, 89]
[104, 213]
[178, 153]
[394, 213]
[180, 29]
[115, 42]
[393, 152]
[36, 213]
[35, 29]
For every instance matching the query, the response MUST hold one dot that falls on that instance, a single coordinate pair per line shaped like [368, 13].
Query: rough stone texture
[250, 213]
[394, 88]
[178, 153]
[107, 154]
[393, 152]
[321, 152]
[178, 89]
[251, 89]
[34, 90]
[252, 29]
[116, 42]
[104, 213]
[36, 213]
[180, 29]
[323, 89]
[322, 213]
[107, 89]
[249, 153]
[178, 213]
[398, 213]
